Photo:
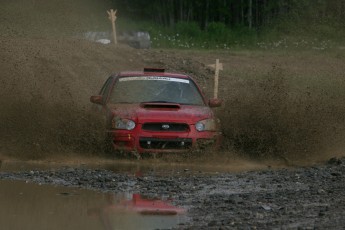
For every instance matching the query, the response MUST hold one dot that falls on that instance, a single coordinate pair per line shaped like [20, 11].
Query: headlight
[206, 125]
[119, 123]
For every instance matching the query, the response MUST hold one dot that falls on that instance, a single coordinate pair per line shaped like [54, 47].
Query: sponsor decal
[154, 78]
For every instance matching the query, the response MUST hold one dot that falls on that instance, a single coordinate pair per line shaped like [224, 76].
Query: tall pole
[112, 17]
[216, 79]
[217, 67]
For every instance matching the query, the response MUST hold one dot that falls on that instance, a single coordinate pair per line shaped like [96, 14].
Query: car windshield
[155, 89]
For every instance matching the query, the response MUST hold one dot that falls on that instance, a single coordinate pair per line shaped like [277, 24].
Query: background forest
[185, 24]
[231, 23]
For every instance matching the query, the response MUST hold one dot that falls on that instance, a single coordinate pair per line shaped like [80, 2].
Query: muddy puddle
[33, 206]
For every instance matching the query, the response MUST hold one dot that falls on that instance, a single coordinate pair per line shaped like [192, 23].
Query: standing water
[32, 206]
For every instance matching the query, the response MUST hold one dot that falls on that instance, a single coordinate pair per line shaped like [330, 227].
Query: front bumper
[143, 141]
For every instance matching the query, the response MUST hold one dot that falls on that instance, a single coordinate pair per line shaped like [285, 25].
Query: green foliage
[279, 36]
[217, 29]
[188, 29]
[187, 35]
[282, 24]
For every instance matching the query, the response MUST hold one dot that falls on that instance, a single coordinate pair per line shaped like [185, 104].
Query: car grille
[166, 127]
[156, 143]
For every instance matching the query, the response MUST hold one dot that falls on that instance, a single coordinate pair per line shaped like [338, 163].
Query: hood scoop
[160, 105]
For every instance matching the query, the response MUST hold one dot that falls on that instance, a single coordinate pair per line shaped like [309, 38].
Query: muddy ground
[294, 198]
[283, 109]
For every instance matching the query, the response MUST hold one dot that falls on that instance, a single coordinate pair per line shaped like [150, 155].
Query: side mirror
[97, 99]
[214, 102]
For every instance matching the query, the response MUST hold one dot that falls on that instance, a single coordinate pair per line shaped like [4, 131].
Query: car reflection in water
[137, 212]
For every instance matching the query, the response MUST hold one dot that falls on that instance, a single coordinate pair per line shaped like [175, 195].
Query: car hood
[161, 112]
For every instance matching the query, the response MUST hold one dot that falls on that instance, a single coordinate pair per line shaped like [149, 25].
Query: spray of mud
[46, 83]
[45, 89]
[270, 117]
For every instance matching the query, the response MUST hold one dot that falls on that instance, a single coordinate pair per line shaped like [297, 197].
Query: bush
[218, 31]
[188, 29]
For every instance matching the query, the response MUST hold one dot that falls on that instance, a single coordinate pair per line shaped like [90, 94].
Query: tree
[246, 13]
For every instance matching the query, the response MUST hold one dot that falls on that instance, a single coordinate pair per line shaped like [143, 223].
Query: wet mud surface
[301, 197]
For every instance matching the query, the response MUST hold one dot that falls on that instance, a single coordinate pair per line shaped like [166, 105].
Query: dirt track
[273, 105]
[281, 106]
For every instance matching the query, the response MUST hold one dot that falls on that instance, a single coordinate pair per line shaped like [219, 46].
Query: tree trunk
[170, 12]
[242, 13]
[206, 13]
[250, 14]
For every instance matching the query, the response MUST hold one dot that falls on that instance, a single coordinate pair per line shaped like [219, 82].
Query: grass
[283, 35]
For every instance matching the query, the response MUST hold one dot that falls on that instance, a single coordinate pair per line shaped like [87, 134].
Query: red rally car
[154, 111]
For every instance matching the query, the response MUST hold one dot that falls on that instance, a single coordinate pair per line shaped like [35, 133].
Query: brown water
[32, 206]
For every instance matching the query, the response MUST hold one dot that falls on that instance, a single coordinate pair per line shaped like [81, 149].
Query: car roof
[146, 73]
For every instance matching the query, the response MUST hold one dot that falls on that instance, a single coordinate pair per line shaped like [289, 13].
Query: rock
[334, 161]
[266, 207]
